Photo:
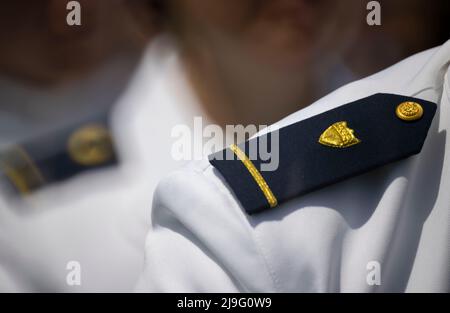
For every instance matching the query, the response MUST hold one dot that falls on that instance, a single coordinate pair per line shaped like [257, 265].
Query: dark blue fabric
[50, 155]
[305, 165]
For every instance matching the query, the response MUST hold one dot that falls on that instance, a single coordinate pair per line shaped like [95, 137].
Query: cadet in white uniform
[394, 219]
[77, 210]
[77, 186]
[98, 217]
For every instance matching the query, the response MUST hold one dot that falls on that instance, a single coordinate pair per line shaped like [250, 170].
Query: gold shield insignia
[339, 135]
[91, 145]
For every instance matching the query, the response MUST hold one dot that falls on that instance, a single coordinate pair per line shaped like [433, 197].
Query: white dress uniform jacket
[384, 231]
[99, 218]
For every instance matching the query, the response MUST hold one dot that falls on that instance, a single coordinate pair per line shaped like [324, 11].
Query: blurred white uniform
[98, 218]
[202, 241]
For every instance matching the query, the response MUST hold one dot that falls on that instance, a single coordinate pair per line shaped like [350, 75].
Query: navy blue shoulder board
[344, 142]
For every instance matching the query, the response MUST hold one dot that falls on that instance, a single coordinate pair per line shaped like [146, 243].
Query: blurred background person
[87, 113]
[69, 198]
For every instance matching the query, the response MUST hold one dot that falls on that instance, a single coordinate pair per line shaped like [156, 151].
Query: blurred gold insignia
[91, 145]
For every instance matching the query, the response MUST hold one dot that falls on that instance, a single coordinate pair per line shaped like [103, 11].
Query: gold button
[409, 111]
[91, 145]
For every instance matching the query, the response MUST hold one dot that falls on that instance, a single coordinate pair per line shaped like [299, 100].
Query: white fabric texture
[398, 215]
[100, 218]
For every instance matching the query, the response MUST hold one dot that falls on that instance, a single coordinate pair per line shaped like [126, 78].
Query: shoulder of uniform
[194, 202]
[346, 141]
[192, 184]
[57, 156]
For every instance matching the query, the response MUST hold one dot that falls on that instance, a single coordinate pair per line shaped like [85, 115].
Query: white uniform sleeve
[200, 241]
[392, 219]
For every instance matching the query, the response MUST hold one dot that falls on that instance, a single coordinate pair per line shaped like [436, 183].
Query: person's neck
[237, 89]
